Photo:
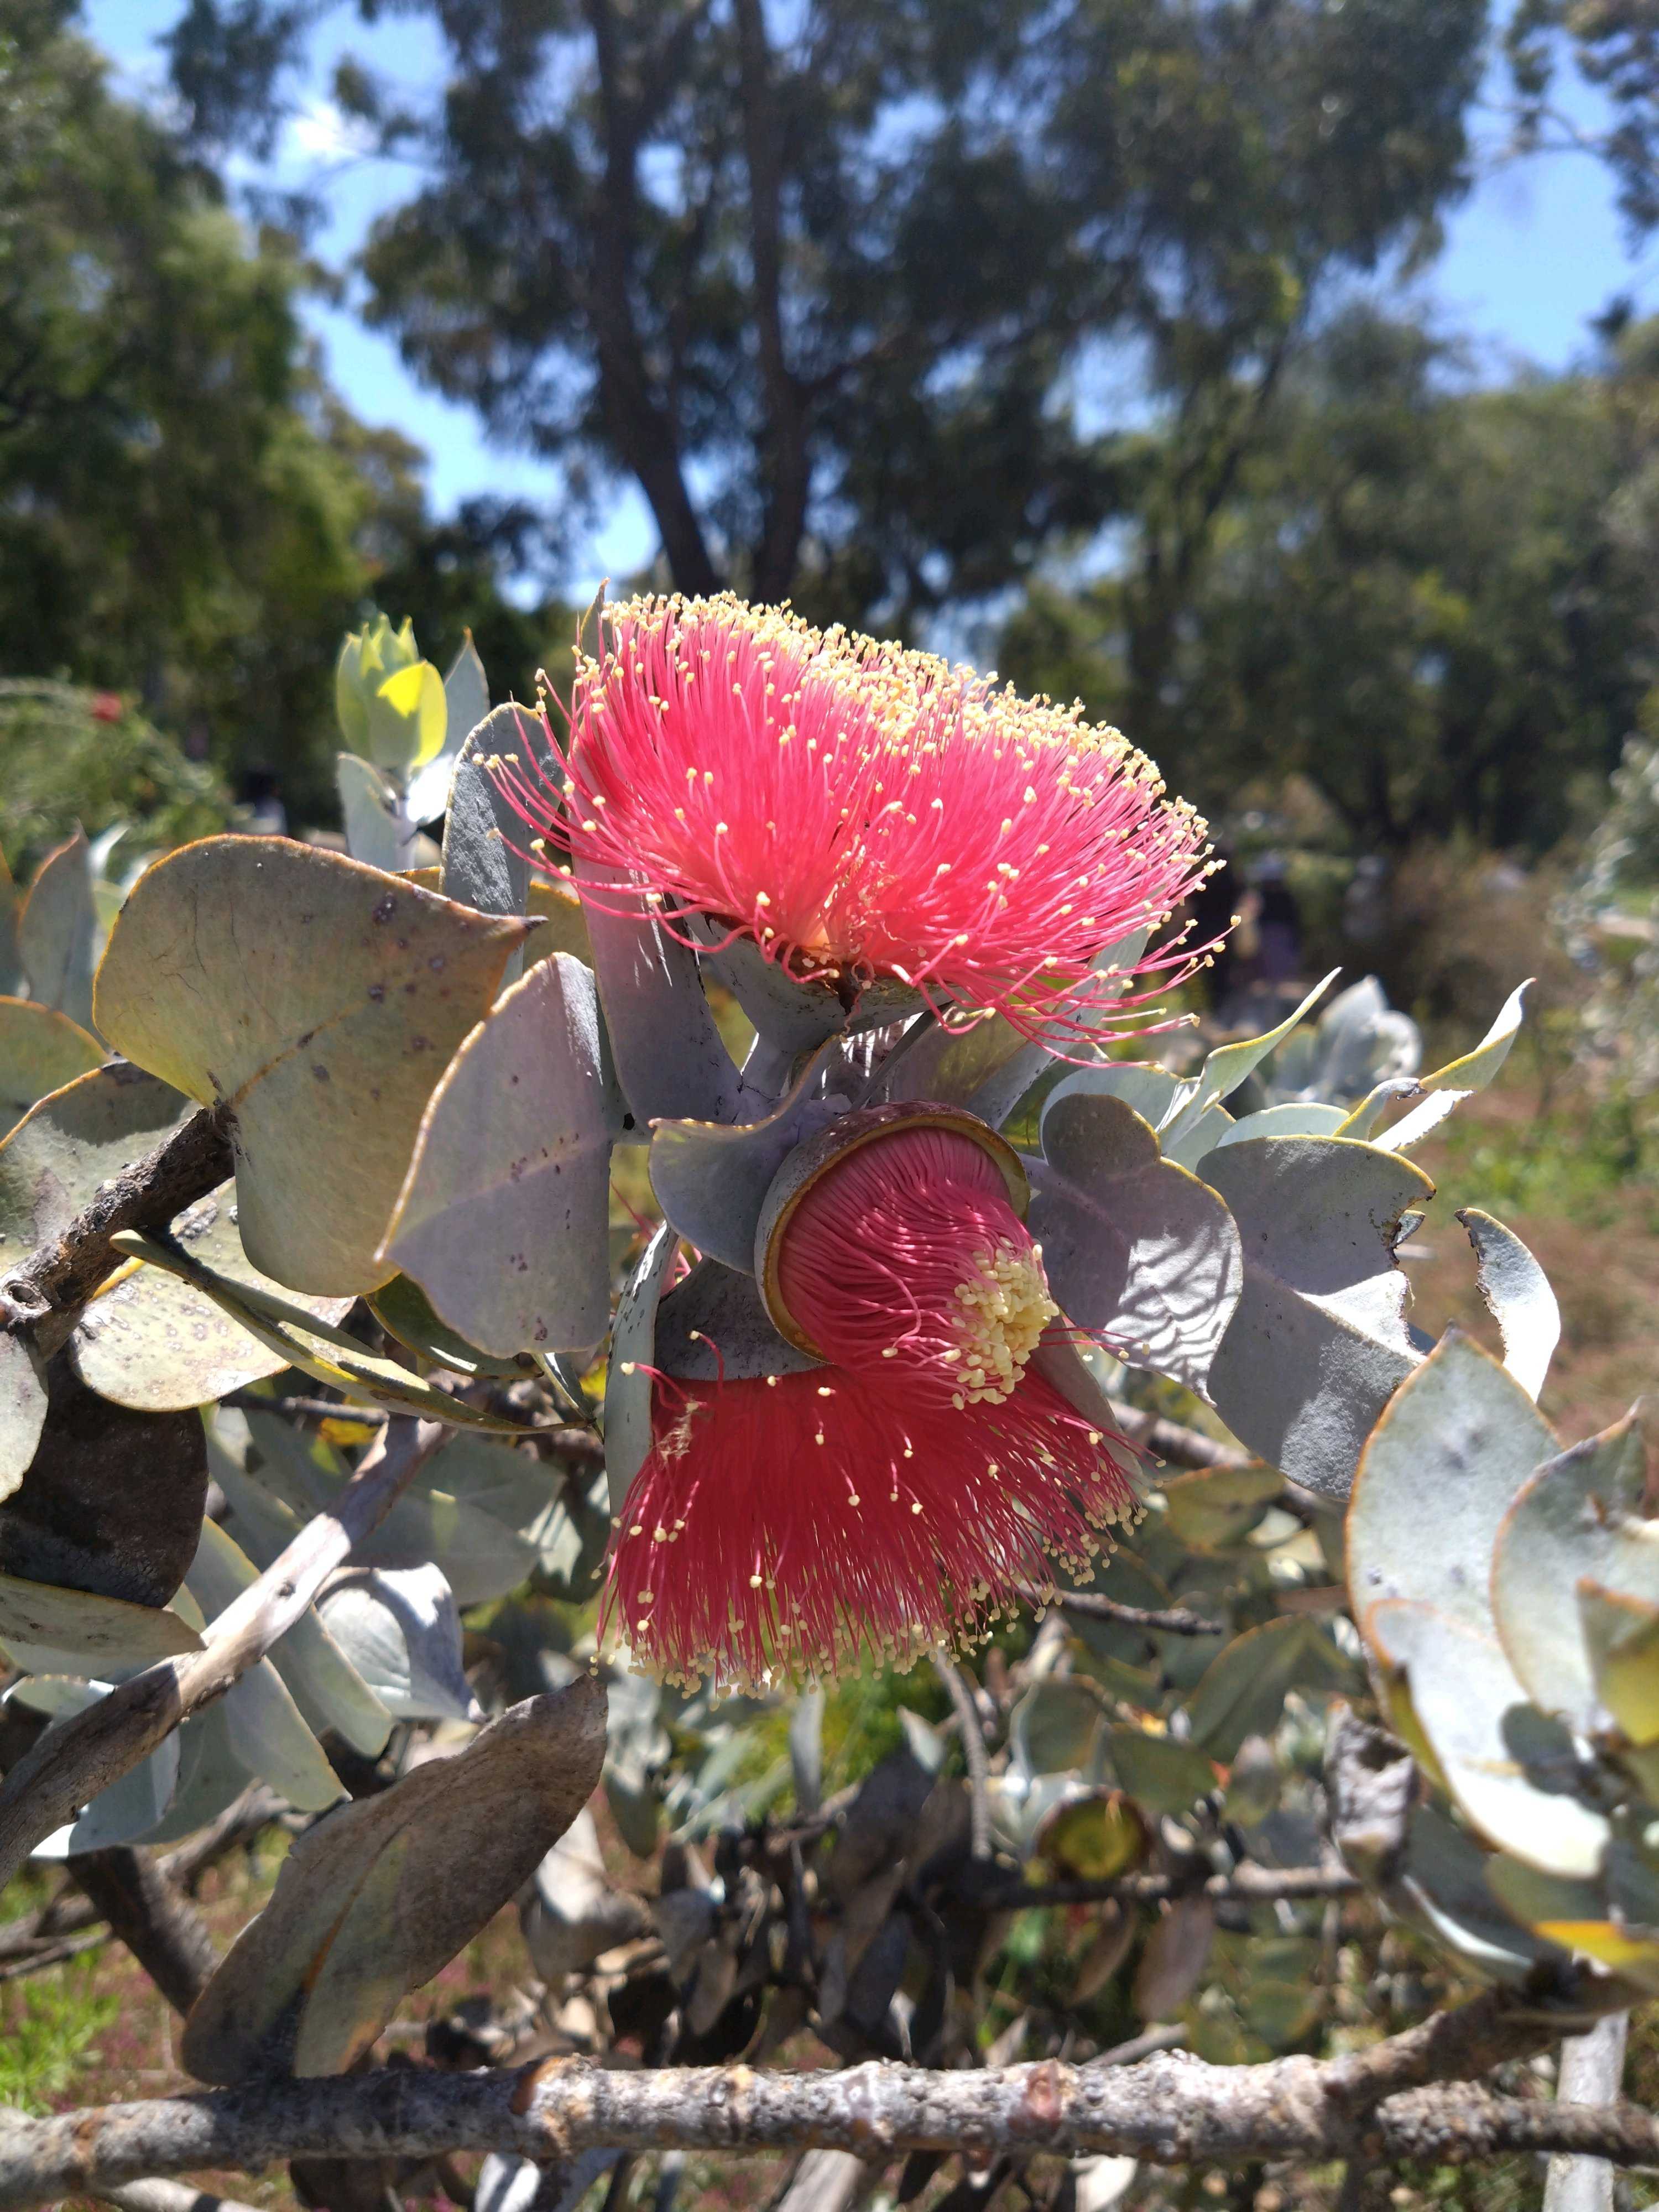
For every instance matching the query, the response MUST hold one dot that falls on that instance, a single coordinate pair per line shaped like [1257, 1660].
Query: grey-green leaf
[83, 1632]
[58, 933]
[669, 1059]
[1444, 1878]
[1518, 1297]
[270, 1732]
[1227, 1067]
[1447, 1086]
[1137, 1252]
[711, 1178]
[503, 1217]
[153, 1341]
[327, 1689]
[376, 828]
[401, 1632]
[1319, 1341]
[1514, 1772]
[72, 1141]
[792, 1016]
[1243, 1688]
[1577, 1519]
[22, 1409]
[484, 841]
[1438, 1474]
[40, 1051]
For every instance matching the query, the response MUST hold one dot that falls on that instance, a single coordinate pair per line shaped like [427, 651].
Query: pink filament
[874, 1252]
[860, 811]
[791, 1527]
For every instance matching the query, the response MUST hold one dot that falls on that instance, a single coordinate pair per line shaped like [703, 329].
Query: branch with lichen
[1411, 2096]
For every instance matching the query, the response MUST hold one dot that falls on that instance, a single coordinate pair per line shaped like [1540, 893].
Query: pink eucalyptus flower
[899, 1496]
[860, 811]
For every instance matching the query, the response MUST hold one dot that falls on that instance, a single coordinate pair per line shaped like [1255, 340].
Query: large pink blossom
[901, 1496]
[860, 810]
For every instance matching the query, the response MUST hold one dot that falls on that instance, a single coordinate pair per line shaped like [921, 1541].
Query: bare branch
[71, 1763]
[152, 1917]
[1168, 1440]
[973, 1751]
[49, 1951]
[1170, 2109]
[1173, 1621]
[1592, 2068]
[37, 1939]
[1245, 1885]
[60, 1276]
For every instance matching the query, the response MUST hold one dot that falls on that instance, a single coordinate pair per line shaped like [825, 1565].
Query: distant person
[1278, 922]
[261, 808]
[1366, 901]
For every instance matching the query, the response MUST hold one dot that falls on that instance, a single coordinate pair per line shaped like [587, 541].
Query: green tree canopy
[189, 514]
[833, 291]
[1434, 601]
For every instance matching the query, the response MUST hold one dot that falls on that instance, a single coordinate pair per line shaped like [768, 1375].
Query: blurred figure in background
[1278, 922]
[260, 811]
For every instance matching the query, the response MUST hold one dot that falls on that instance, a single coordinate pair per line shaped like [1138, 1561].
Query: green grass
[46, 2034]
[1597, 1162]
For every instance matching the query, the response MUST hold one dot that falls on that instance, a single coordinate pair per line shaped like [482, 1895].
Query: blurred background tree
[190, 515]
[1432, 602]
[1067, 332]
[831, 302]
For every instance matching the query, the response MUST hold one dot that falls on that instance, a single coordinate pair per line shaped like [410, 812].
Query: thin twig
[1170, 2037]
[306, 1409]
[558, 1437]
[973, 1752]
[30, 1938]
[1173, 1621]
[70, 1763]
[1170, 1441]
[52, 1951]
[1413, 2096]
[1245, 1885]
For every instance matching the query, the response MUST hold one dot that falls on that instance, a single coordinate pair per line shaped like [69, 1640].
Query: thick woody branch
[152, 1917]
[60, 1276]
[1170, 2109]
[70, 1763]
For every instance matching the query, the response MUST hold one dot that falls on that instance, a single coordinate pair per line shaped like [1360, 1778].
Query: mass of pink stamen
[792, 1527]
[859, 809]
[907, 1250]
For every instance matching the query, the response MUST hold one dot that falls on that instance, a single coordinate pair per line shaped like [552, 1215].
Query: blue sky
[1533, 252]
